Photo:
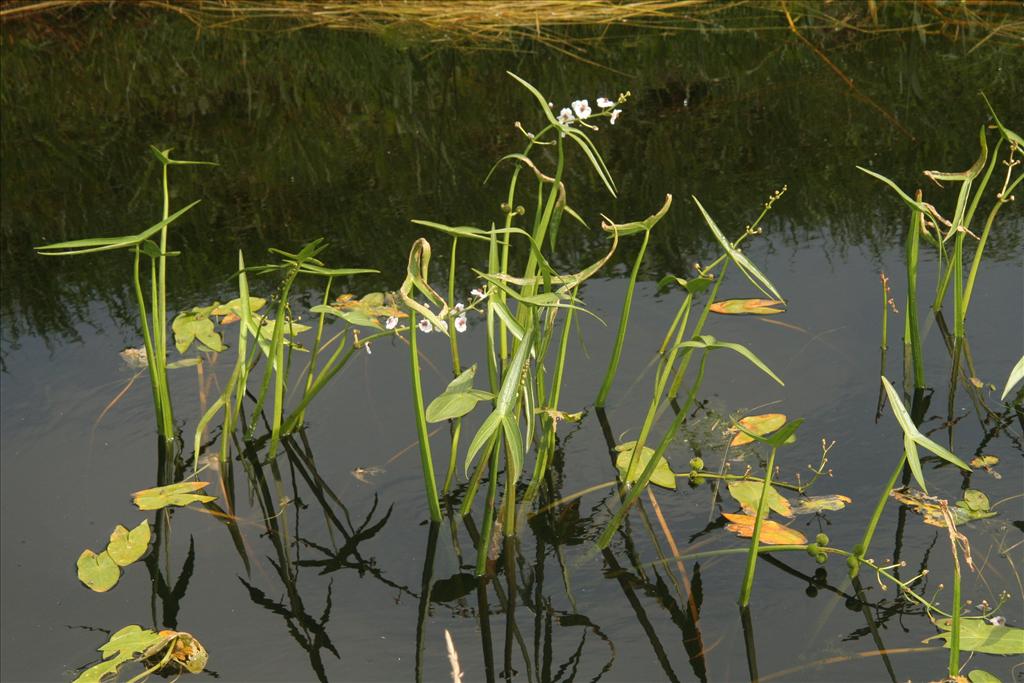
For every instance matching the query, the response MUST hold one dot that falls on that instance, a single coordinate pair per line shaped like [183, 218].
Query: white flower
[605, 103]
[424, 326]
[366, 345]
[615, 115]
[458, 308]
[477, 293]
[582, 108]
[460, 323]
[998, 621]
[391, 323]
[565, 116]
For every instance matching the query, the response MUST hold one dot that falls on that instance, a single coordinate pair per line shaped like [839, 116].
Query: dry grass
[493, 22]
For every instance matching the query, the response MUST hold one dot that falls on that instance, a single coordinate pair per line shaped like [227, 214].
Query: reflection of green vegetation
[348, 136]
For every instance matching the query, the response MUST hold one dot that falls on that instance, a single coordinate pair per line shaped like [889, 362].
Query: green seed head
[821, 558]
[696, 464]
[821, 539]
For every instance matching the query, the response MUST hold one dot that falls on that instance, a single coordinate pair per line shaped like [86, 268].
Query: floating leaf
[182, 493]
[747, 307]
[748, 494]
[986, 462]
[979, 676]
[122, 647]
[978, 636]
[663, 475]
[974, 501]
[928, 506]
[99, 572]
[135, 358]
[758, 424]
[183, 648]
[813, 504]
[772, 533]
[189, 326]
[458, 399]
[127, 546]
[234, 308]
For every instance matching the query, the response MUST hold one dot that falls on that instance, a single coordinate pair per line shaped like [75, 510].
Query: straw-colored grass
[489, 22]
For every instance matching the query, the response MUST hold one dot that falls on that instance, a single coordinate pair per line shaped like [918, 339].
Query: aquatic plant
[154, 323]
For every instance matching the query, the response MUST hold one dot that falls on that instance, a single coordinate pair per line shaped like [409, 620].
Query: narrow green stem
[869, 532]
[613, 365]
[677, 381]
[913, 244]
[421, 424]
[755, 539]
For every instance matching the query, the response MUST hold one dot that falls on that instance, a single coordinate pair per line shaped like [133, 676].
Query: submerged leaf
[772, 533]
[748, 494]
[126, 546]
[99, 572]
[746, 307]
[758, 424]
[813, 504]
[180, 494]
[663, 475]
[978, 636]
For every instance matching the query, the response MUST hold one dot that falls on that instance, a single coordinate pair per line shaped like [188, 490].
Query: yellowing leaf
[758, 424]
[974, 506]
[181, 494]
[746, 307]
[99, 572]
[984, 461]
[812, 504]
[663, 475]
[772, 533]
[748, 494]
[127, 546]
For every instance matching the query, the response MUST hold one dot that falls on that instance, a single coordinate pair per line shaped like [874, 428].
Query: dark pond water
[349, 137]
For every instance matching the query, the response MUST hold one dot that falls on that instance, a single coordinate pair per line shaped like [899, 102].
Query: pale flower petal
[565, 116]
[605, 103]
[581, 108]
[425, 326]
[615, 115]
[391, 323]
[460, 323]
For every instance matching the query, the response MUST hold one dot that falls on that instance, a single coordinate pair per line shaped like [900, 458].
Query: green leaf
[756, 277]
[978, 636]
[979, 676]
[748, 495]
[913, 438]
[123, 646]
[487, 429]
[99, 572]
[126, 546]
[458, 399]
[1016, 375]
[514, 444]
[235, 306]
[196, 324]
[181, 494]
[93, 244]
[814, 504]
[663, 475]
[130, 640]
